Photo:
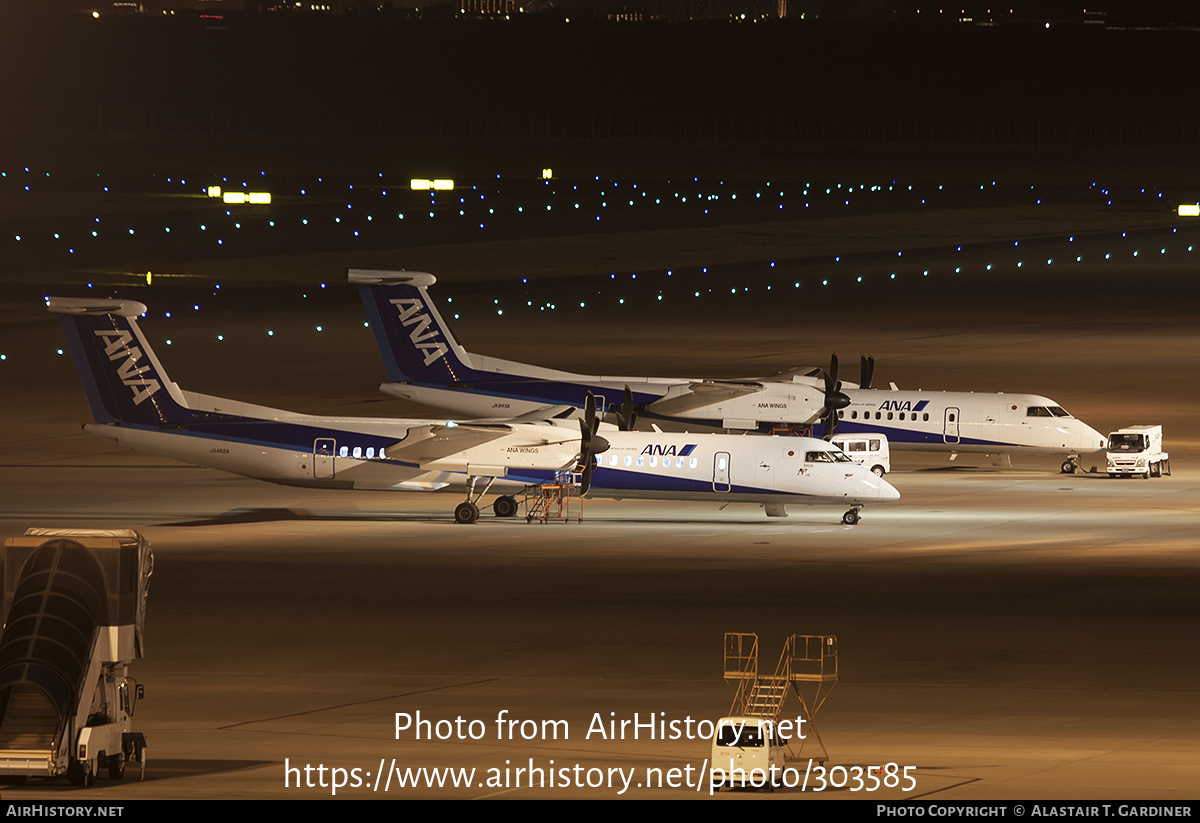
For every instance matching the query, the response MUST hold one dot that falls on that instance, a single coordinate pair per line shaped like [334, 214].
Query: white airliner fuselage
[136, 405]
[427, 365]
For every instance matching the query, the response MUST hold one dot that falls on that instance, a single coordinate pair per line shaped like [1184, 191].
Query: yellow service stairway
[808, 661]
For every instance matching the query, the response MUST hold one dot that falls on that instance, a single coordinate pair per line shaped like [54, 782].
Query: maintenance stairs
[557, 500]
[808, 663]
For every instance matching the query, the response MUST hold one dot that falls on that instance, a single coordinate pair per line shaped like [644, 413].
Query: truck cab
[747, 752]
[1137, 451]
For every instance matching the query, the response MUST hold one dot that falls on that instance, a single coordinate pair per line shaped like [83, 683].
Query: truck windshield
[1127, 443]
[741, 736]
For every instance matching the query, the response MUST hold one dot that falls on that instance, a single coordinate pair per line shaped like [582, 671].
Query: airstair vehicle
[75, 609]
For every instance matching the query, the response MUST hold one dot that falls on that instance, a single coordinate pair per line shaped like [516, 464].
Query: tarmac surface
[1003, 632]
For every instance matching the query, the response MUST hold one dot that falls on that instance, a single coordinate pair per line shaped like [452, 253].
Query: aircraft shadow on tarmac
[275, 515]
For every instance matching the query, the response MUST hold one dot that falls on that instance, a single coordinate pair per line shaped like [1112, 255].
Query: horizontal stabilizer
[94, 305]
[373, 277]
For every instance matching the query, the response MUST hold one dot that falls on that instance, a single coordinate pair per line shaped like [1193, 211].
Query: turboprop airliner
[426, 364]
[136, 405]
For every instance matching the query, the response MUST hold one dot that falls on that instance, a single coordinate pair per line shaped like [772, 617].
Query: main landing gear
[851, 517]
[468, 511]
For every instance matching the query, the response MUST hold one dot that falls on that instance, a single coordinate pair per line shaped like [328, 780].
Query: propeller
[627, 416]
[835, 399]
[590, 443]
[867, 371]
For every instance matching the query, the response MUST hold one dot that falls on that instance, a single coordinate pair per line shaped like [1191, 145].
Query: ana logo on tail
[117, 347]
[412, 313]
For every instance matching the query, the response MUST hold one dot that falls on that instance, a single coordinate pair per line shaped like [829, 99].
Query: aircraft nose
[887, 491]
[879, 489]
[1092, 440]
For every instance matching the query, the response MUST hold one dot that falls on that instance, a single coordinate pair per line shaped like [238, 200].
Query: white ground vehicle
[870, 450]
[1136, 450]
[74, 613]
[748, 752]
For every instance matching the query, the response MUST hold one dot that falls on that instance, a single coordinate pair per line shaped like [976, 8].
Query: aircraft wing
[701, 393]
[789, 375]
[425, 444]
[546, 413]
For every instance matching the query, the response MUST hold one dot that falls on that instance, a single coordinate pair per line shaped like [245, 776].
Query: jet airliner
[136, 405]
[426, 364]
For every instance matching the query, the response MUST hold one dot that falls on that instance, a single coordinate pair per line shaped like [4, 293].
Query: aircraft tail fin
[121, 376]
[416, 344]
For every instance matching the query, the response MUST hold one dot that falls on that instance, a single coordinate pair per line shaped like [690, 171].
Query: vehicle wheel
[850, 518]
[1067, 467]
[466, 512]
[878, 471]
[116, 767]
[504, 506]
[75, 773]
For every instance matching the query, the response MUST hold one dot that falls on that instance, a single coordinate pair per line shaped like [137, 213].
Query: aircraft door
[721, 472]
[950, 425]
[324, 449]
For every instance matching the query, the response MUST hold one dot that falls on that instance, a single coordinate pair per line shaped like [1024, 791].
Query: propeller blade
[867, 371]
[627, 416]
[835, 398]
[585, 483]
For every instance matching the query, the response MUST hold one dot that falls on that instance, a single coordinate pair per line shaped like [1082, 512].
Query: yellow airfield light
[214, 191]
[547, 174]
[255, 198]
[1189, 210]
[424, 184]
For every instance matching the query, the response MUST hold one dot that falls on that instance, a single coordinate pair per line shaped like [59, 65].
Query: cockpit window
[1046, 411]
[827, 457]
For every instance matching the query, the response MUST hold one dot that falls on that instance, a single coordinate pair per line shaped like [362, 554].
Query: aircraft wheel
[850, 518]
[1068, 467]
[504, 506]
[878, 471]
[466, 512]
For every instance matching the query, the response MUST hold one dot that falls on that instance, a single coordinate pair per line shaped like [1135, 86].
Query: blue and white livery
[136, 405]
[427, 365]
